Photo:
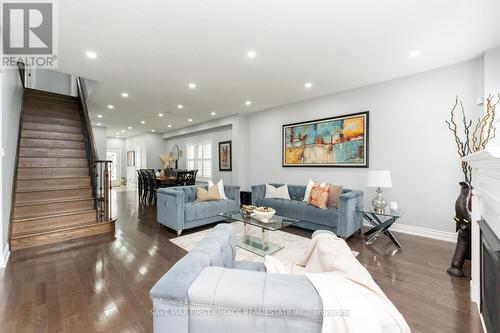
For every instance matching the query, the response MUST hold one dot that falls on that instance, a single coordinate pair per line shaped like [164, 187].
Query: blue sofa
[343, 221]
[207, 291]
[178, 209]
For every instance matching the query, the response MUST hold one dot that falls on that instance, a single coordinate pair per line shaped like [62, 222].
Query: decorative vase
[462, 220]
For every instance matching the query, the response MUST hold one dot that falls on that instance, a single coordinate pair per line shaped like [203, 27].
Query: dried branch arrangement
[470, 142]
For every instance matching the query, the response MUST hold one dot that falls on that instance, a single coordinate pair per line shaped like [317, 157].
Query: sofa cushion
[200, 210]
[302, 211]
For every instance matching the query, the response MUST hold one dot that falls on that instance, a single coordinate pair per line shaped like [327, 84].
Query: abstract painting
[333, 142]
[131, 158]
[225, 158]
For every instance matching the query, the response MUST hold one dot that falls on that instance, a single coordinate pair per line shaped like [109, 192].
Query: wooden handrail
[83, 98]
[21, 67]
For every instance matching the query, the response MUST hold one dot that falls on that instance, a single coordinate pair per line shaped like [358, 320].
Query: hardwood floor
[105, 287]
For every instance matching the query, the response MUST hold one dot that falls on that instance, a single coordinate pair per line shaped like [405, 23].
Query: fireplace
[490, 277]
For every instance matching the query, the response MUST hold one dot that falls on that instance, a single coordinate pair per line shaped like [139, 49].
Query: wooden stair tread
[33, 218]
[33, 203]
[62, 177]
[38, 92]
[55, 188]
[52, 230]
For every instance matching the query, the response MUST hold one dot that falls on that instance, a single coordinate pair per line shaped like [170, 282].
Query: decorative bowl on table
[264, 213]
[247, 210]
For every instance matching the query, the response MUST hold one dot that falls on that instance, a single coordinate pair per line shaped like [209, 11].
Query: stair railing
[100, 170]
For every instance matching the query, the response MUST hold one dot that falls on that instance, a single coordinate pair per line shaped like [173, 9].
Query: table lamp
[379, 179]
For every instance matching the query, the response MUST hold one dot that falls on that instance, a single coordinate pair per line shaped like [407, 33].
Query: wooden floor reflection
[105, 287]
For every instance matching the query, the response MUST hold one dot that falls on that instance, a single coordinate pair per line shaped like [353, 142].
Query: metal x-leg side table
[381, 227]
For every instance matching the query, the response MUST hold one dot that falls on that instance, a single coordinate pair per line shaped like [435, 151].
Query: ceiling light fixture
[414, 53]
[130, 127]
[213, 113]
[169, 126]
[98, 124]
[192, 85]
[153, 130]
[251, 54]
[190, 120]
[117, 133]
[160, 115]
[248, 103]
[91, 54]
[123, 131]
[143, 122]
[110, 106]
[180, 106]
[124, 94]
[308, 85]
[99, 116]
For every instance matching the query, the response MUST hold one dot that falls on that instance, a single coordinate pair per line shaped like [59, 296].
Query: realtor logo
[29, 33]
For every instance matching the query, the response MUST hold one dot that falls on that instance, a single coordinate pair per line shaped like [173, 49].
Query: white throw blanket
[344, 285]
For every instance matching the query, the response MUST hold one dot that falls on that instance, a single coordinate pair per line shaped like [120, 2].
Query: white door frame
[116, 182]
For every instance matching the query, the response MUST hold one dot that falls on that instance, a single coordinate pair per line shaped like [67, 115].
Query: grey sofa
[207, 291]
[344, 220]
[178, 209]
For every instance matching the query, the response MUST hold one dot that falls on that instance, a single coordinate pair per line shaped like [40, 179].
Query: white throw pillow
[277, 192]
[308, 190]
[220, 187]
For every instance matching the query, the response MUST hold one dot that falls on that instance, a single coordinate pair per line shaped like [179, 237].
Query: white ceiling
[153, 49]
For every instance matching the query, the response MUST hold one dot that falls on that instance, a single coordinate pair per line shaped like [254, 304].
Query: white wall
[492, 84]
[151, 146]
[407, 136]
[11, 97]
[49, 80]
[119, 144]
[213, 136]
[100, 140]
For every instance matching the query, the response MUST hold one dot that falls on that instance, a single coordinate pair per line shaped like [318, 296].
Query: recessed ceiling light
[308, 85]
[117, 133]
[130, 127]
[99, 116]
[124, 94]
[98, 124]
[192, 85]
[152, 130]
[143, 122]
[247, 103]
[414, 53]
[213, 113]
[110, 106]
[180, 106]
[123, 131]
[160, 115]
[190, 120]
[251, 54]
[91, 54]
[169, 126]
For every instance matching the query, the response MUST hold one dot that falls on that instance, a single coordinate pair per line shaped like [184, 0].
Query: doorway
[113, 155]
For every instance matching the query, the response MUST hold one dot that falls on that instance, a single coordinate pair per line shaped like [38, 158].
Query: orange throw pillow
[334, 195]
[319, 196]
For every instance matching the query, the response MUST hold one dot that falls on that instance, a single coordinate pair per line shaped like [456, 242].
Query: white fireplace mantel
[485, 205]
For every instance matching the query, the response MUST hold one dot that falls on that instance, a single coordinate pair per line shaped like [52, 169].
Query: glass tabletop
[275, 223]
[386, 212]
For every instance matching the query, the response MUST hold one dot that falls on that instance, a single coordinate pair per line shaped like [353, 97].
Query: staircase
[54, 200]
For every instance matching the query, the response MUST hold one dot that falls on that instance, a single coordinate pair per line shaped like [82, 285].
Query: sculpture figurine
[462, 220]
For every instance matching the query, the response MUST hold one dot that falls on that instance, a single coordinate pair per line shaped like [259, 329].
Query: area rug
[293, 252]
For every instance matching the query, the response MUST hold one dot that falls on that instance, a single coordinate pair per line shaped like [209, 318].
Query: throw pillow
[220, 187]
[204, 195]
[334, 195]
[308, 190]
[319, 196]
[277, 192]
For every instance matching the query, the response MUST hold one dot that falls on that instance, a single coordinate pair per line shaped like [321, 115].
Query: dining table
[164, 181]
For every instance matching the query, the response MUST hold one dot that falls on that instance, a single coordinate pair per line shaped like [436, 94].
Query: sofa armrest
[232, 192]
[170, 208]
[350, 218]
[258, 192]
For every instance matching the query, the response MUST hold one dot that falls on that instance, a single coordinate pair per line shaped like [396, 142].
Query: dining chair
[140, 184]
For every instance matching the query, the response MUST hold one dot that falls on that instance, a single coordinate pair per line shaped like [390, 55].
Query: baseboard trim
[5, 256]
[423, 232]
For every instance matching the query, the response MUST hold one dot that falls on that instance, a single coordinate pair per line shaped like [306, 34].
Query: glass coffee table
[259, 245]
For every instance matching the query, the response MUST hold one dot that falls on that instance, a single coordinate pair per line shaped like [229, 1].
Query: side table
[381, 223]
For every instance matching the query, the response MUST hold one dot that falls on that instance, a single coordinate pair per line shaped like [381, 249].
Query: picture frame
[225, 156]
[131, 158]
[339, 141]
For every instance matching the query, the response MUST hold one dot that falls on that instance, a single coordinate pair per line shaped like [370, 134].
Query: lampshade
[379, 178]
